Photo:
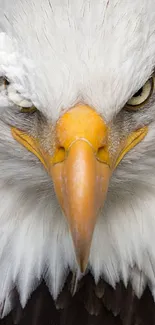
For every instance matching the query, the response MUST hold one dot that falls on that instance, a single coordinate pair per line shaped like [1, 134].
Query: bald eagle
[77, 162]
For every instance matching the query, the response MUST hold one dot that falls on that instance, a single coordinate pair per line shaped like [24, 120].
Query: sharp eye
[29, 110]
[141, 96]
[3, 83]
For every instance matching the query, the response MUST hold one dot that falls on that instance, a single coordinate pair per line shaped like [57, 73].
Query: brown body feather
[91, 305]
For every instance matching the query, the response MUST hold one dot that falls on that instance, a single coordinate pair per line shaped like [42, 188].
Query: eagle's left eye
[141, 96]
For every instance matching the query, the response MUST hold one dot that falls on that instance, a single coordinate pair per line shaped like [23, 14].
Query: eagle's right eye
[29, 110]
[3, 83]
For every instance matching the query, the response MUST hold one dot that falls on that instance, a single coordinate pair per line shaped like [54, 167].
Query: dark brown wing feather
[91, 305]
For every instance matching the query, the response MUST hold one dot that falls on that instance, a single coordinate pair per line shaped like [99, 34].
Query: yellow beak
[81, 184]
[80, 166]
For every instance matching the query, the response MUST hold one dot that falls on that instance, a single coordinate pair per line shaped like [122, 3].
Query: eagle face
[77, 129]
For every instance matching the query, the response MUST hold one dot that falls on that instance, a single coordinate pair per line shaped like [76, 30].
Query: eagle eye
[16, 98]
[29, 110]
[141, 96]
[3, 83]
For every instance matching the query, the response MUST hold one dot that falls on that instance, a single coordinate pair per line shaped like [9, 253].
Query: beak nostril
[61, 148]
[100, 149]
[103, 154]
[60, 155]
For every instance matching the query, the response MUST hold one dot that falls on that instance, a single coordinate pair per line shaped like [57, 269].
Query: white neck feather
[35, 243]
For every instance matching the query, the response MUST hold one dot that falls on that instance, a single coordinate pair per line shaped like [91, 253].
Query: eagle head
[77, 150]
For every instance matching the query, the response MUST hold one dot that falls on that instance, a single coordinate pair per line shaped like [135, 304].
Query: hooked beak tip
[82, 251]
[82, 261]
[83, 267]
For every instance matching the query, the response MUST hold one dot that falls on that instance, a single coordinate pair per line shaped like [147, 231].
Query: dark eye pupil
[138, 93]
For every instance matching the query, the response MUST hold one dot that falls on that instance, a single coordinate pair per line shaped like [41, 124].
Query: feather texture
[69, 56]
[118, 306]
